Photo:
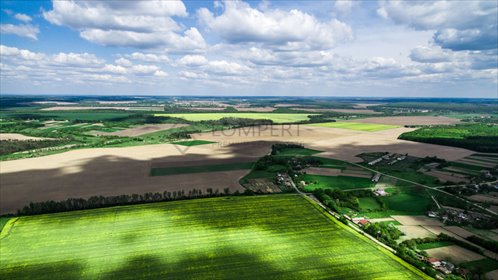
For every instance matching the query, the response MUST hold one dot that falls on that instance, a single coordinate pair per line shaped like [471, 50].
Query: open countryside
[149, 241]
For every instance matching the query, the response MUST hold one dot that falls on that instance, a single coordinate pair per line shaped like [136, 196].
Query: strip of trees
[72, 204]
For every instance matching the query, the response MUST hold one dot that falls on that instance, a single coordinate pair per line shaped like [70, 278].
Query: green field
[334, 182]
[275, 117]
[297, 152]
[193, 143]
[474, 136]
[482, 265]
[432, 245]
[371, 127]
[162, 171]
[368, 204]
[258, 237]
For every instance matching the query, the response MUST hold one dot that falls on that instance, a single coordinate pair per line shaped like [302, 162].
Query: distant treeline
[487, 107]
[13, 146]
[72, 204]
[476, 137]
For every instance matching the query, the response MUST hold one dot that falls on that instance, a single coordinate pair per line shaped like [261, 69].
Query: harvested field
[88, 172]
[476, 162]
[365, 105]
[414, 232]
[141, 130]
[409, 120]
[69, 172]
[459, 231]
[417, 220]
[358, 174]
[347, 111]
[356, 126]
[75, 108]
[484, 198]
[117, 102]
[255, 109]
[323, 171]
[454, 253]
[259, 237]
[448, 177]
[205, 108]
[461, 170]
[342, 144]
[492, 275]
[20, 137]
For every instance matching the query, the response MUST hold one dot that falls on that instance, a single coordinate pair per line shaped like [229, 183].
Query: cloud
[240, 23]
[21, 30]
[193, 60]
[469, 25]
[23, 17]
[148, 57]
[32, 67]
[138, 24]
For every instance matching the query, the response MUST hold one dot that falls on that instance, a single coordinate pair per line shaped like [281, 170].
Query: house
[363, 222]
[376, 177]
[373, 162]
[434, 262]
[380, 192]
[432, 214]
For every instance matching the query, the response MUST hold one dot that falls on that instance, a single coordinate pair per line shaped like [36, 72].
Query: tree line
[72, 204]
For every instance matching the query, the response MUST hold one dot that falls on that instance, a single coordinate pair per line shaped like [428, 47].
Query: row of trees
[13, 146]
[72, 204]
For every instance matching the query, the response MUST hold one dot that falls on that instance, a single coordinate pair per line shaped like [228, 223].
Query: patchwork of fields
[261, 237]
[275, 117]
[356, 126]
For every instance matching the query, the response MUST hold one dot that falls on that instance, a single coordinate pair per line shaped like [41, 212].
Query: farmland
[263, 237]
[477, 137]
[334, 182]
[356, 126]
[275, 117]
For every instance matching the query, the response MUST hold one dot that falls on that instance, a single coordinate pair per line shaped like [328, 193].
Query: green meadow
[371, 127]
[275, 117]
[257, 237]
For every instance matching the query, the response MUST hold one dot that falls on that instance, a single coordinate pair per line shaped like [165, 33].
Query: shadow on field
[70, 270]
[222, 264]
[116, 175]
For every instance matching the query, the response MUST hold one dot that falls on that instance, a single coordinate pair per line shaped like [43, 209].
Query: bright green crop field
[276, 117]
[371, 127]
[257, 237]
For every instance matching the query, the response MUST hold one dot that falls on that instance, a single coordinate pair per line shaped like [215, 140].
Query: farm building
[376, 177]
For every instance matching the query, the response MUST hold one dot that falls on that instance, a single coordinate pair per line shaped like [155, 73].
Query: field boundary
[365, 239]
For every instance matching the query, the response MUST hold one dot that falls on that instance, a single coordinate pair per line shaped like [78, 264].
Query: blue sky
[299, 48]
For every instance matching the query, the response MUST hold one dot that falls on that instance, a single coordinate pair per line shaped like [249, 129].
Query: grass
[409, 203]
[163, 171]
[297, 152]
[275, 117]
[368, 204]
[432, 245]
[356, 126]
[258, 237]
[482, 265]
[193, 143]
[334, 182]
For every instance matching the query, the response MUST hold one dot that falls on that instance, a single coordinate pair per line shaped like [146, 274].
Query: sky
[281, 48]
